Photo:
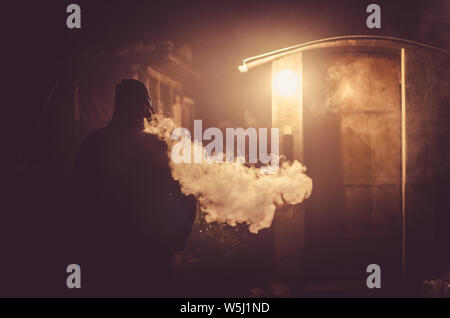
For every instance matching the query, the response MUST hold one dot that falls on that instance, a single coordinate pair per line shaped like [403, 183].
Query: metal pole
[403, 92]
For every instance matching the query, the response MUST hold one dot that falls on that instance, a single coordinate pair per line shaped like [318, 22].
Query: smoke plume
[233, 192]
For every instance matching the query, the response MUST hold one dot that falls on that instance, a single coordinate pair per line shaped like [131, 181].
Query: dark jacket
[133, 214]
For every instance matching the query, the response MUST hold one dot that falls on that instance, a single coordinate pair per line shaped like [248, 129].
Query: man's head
[133, 103]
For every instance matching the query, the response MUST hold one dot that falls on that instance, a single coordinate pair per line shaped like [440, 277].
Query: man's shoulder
[154, 149]
[153, 141]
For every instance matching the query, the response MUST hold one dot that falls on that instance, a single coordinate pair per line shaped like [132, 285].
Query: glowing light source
[286, 83]
[243, 68]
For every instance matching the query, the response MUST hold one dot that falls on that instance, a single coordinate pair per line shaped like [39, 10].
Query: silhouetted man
[133, 213]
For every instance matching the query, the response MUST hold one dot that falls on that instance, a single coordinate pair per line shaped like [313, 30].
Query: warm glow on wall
[286, 83]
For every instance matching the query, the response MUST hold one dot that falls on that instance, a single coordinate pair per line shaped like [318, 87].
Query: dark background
[220, 33]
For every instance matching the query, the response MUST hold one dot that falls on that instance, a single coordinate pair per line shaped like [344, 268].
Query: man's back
[134, 215]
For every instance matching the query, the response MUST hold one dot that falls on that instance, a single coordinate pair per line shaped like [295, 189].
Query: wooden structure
[370, 121]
